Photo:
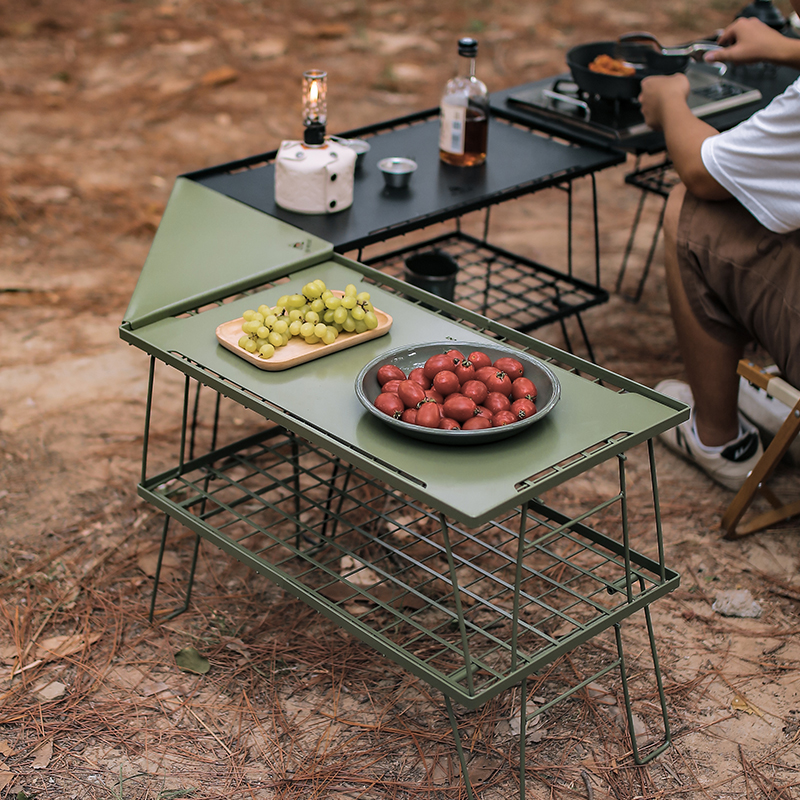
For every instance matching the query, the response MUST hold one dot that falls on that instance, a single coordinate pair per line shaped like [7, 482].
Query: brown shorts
[742, 280]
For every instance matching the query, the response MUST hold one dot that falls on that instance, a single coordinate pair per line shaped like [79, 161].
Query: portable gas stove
[617, 121]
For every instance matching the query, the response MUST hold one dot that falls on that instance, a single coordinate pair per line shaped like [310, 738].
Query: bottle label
[451, 131]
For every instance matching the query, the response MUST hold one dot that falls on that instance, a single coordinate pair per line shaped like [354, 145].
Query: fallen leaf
[61, 646]
[52, 691]
[219, 76]
[6, 749]
[740, 704]
[6, 775]
[42, 755]
[189, 660]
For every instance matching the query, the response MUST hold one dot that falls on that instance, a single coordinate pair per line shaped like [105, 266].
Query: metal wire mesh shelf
[508, 288]
[384, 567]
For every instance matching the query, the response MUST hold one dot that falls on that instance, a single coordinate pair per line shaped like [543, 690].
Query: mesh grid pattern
[382, 562]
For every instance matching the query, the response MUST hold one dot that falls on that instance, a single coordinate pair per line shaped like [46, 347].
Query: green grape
[270, 320]
[312, 339]
[358, 313]
[294, 327]
[264, 310]
[251, 326]
[249, 315]
[294, 314]
[312, 291]
[262, 332]
[317, 305]
[275, 339]
[338, 327]
[249, 345]
[322, 287]
[339, 315]
[370, 320]
[368, 306]
[319, 329]
[243, 340]
[285, 339]
[258, 317]
[312, 316]
[296, 301]
[362, 297]
[349, 301]
[333, 301]
[328, 315]
[349, 324]
[266, 351]
[361, 326]
[260, 342]
[350, 289]
[283, 301]
[307, 329]
[329, 337]
[280, 326]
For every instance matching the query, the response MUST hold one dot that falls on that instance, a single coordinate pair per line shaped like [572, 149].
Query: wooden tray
[297, 351]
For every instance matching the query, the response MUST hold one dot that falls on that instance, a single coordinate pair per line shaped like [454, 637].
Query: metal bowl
[408, 358]
[397, 171]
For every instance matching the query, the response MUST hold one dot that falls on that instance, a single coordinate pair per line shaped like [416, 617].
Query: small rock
[736, 603]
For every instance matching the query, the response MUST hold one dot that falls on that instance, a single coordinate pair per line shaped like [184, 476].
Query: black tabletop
[518, 162]
[768, 79]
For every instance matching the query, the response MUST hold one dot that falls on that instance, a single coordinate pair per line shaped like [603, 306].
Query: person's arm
[747, 40]
[663, 101]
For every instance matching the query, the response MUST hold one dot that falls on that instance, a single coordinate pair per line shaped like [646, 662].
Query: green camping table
[475, 581]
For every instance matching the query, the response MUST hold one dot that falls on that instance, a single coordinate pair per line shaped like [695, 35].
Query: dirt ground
[103, 104]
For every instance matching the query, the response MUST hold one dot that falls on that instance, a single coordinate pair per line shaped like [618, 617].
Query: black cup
[434, 271]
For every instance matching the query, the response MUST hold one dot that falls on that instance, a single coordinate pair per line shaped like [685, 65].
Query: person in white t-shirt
[731, 248]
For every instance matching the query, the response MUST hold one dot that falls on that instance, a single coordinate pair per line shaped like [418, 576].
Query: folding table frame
[476, 582]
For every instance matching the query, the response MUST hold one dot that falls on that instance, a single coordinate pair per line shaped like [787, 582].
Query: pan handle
[571, 101]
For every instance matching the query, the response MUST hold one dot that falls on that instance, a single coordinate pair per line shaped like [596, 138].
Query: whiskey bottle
[464, 113]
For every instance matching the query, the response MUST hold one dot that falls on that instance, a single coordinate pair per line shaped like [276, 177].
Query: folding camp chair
[778, 388]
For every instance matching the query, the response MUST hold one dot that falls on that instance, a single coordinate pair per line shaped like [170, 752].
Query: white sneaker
[729, 467]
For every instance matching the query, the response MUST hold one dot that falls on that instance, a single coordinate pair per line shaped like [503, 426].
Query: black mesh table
[518, 292]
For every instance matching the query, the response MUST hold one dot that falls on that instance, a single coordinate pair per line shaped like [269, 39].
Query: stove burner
[618, 120]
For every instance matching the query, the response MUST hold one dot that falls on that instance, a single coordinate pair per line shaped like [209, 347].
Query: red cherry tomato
[390, 372]
[479, 359]
[495, 401]
[433, 395]
[457, 355]
[437, 363]
[465, 371]
[459, 407]
[409, 416]
[428, 415]
[499, 382]
[391, 386]
[483, 374]
[446, 382]
[476, 424]
[447, 424]
[482, 411]
[418, 375]
[411, 393]
[523, 408]
[476, 390]
[390, 404]
[503, 418]
[523, 387]
[510, 366]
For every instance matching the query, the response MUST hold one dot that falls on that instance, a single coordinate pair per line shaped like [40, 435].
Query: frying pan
[640, 50]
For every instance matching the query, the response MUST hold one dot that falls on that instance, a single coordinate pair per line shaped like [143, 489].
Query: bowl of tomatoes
[458, 393]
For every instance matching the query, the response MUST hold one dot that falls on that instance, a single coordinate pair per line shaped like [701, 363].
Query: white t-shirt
[758, 162]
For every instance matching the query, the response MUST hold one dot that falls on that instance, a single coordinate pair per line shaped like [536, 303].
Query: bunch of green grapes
[265, 330]
[316, 315]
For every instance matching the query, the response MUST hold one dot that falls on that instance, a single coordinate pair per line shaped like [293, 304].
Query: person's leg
[710, 365]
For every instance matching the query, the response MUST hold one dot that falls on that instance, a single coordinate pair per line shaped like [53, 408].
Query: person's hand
[659, 93]
[746, 41]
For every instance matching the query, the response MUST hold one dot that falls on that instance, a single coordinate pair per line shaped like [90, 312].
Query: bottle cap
[468, 47]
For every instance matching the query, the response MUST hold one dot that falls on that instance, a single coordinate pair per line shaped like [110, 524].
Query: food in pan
[607, 65]
[456, 392]
[317, 315]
